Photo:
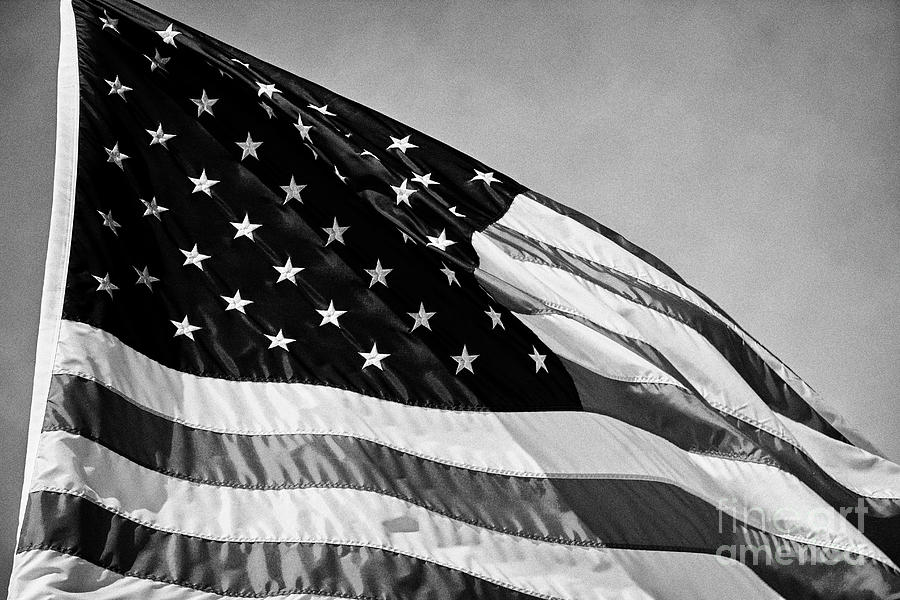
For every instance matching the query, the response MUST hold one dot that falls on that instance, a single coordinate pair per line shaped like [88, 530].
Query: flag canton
[234, 221]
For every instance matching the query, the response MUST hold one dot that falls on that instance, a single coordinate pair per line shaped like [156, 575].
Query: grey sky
[755, 147]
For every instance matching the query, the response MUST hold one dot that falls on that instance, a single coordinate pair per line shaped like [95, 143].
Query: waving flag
[291, 347]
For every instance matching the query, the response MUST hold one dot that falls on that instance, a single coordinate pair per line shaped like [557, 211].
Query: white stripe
[861, 471]
[537, 221]
[689, 352]
[558, 444]
[75, 465]
[60, 232]
[695, 358]
[42, 574]
[602, 355]
[544, 224]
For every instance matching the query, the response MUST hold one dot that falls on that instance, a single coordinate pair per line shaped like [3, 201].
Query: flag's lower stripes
[555, 444]
[78, 527]
[70, 577]
[696, 359]
[613, 513]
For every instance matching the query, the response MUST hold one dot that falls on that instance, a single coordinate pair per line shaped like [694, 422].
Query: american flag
[291, 347]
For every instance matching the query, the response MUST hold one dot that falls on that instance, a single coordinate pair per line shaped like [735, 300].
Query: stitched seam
[327, 541]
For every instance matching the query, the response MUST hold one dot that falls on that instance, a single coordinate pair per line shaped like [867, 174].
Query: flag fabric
[291, 347]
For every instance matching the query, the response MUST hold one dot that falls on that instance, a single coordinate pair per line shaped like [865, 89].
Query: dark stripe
[78, 527]
[667, 411]
[767, 384]
[616, 513]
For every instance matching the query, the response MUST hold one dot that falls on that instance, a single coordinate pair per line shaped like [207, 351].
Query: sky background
[754, 147]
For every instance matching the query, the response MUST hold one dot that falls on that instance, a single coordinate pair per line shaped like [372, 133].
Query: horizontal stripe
[544, 224]
[705, 369]
[614, 513]
[589, 240]
[695, 358]
[39, 574]
[753, 369]
[559, 444]
[76, 526]
[579, 343]
[321, 516]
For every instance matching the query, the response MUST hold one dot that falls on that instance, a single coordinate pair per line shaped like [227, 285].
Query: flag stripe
[706, 370]
[322, 516]
[522, 444]
[755, 371]
[72, 578]
[589, 240]
[76, 526]
[614, 513]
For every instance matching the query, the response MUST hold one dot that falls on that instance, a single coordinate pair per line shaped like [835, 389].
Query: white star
[440, 242]
[421, 318]
[193, 257]
[249, 147]
[278, 340]
[401, 144]
[109, 22]
[451, 275]
[378, 274]
[203, 184]
[245, 228]
[406, 238]
[323, 109]
[488, 177]
[243, 64]
[288, 272]
[108, 221]
[152, 208]
[168, 35]
[268, 109]
[144, 277]
[425, 179]
[115, 156]
[158, 61]
[495, 318]
[538, 360]
[204, 103]
[117, 87]
[456, 213]
[367, 153]
[330, 315]
[303, 129]
[236, 302]
[159, 136]
[293, 190]
[339, 176]
[312, 150]
[266, 88]
[184, 328]
[464, 361]
[373, 358]
[105, 284]
[335, 232]
[403, 193]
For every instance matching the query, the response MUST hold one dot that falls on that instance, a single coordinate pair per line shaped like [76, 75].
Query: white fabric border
[67, 99]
